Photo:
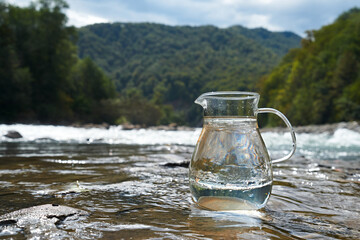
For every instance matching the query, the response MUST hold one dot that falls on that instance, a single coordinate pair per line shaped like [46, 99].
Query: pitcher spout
[201, 100]
[230, 103]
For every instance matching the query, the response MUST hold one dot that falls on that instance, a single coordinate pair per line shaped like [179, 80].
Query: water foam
[112, 135]
[342, 144]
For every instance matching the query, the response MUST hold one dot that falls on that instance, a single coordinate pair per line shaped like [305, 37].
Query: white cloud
[21, 3]
[258, 20]
[133, 16]
[79, 19]
[276, 15]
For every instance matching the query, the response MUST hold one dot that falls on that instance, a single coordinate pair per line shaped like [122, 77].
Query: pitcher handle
[288, 124]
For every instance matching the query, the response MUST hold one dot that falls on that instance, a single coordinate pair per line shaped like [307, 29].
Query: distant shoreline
[321, 128]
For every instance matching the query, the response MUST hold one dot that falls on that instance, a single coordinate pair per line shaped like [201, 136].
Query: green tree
[90, 87]
[138, 110]
[15, 80]
[319, 83]
[42, 44]
[41, 76]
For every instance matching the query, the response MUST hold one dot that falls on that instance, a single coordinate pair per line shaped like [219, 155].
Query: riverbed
[134, 184]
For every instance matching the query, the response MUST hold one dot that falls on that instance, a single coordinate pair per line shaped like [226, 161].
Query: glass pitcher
[230, 168]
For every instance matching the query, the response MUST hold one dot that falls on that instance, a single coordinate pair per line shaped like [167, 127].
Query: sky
[297, 16]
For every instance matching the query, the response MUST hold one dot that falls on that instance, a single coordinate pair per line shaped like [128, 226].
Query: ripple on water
[131, 193]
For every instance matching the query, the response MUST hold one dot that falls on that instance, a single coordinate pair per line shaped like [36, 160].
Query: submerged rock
[184, 164]
[41, 222]
[128, 126]
[43, 212]
[45, 140]
[13, 134]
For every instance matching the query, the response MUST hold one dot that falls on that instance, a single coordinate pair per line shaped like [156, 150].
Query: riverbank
[323, 128]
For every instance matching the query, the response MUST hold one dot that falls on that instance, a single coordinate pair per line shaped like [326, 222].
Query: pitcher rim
[231, 95]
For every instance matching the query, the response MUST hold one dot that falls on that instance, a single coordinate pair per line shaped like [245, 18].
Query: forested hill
[173, 65]
[154, 72]
[320, 82]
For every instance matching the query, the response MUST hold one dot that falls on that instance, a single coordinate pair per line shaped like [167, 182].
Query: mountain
[173, 65]
[319, 82]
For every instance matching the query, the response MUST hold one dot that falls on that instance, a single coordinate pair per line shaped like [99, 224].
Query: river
[134, 184]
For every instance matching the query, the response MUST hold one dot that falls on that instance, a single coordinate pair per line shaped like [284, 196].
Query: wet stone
[43, 218]
[46, 211]
[13, 135]
[184, 164]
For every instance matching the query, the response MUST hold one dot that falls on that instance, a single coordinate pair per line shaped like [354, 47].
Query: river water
[134, 184]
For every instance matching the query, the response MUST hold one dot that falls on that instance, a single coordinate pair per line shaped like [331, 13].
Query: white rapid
[342, 144]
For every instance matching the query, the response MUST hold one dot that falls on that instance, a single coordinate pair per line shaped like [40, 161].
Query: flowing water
[135, 185]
